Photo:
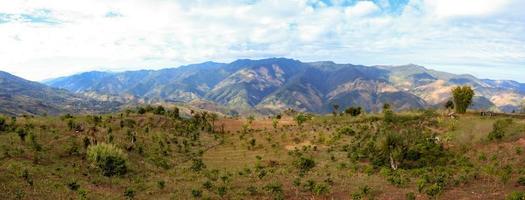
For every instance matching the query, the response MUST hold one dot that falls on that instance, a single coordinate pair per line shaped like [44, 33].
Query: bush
[276, 189]
[129, 193]
[3, 125]
[82, 194]
[73, 185]
[22, 133]
[108, 158]
[411, 196]
[197, 165]
[521, 181]
[159, 110]
[300, 119]
[196, 193]
[516, 196]
[498, 129]
[353, 111]
[304, 164]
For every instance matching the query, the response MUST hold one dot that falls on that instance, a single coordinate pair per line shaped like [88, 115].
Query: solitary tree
[300, 119]
[336, 108]
[462, 98]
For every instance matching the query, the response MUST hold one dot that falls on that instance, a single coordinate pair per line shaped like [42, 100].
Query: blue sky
[44, 39]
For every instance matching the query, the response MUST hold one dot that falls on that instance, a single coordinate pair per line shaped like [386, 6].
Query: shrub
[347, 130]
[221, 191]
[276, 189]
[129, 193]
[161, 184]
[159, 110]
[521, 181]
[197, 165]
[353, 111]
[411, 196]
[73, 185]
[300, 119]
[196, 193]
[304, 164]
[82, 194]
[22, 133]
[3, 125]
[516, 196]
[108, 158]
[320, 189]
[498, 129]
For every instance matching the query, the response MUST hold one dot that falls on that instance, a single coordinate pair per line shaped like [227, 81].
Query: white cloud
[153, 34]
[454, 8]
[362, 8]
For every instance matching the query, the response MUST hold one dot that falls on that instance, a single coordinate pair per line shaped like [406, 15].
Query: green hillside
[152, 153]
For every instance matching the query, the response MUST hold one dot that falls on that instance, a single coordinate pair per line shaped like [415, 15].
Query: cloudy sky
[44, 39]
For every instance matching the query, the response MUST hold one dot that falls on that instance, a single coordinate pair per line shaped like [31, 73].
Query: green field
[409, 155]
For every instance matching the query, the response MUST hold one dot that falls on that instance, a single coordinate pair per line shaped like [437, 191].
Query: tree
[462, 98]
[353, 111]
[336, 108]
[275, 122]
[386, 106]
[300, 119]
[3, 125]
[213, 117]
[159, 110]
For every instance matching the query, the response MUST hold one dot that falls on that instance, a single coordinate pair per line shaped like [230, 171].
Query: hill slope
[278, 83]
[20, 96]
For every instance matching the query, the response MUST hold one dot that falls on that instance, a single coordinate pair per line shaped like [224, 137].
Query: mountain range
[19, 96]
[274, 84]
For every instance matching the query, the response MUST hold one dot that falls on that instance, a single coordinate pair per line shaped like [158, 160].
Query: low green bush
[108, 158]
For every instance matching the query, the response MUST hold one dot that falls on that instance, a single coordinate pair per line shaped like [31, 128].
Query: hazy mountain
[20, 96]
[278, 83]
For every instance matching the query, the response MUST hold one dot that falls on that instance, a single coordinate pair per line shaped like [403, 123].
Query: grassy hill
[154, 154]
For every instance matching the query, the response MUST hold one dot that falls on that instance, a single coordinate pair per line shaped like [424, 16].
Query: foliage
[462, 96]
[301, 118]
[22, 133]
[197, 165]
[498, 129]
[516, 196]
[108, 158]
[353, 111]
[276, 189]
[3, 124]
[449, 104]
[304, 164]
[159, 110]
[129, 193]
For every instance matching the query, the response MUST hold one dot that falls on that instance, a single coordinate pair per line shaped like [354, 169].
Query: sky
[45, 39]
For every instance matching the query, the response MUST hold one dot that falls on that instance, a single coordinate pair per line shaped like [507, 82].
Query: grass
[254, 162]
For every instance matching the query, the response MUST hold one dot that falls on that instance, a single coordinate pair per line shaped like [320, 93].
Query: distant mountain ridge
[270, 85]
[19, 96]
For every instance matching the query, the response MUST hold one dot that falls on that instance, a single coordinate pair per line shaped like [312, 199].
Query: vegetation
[107, 157]
[147, 153]
[462, 98]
